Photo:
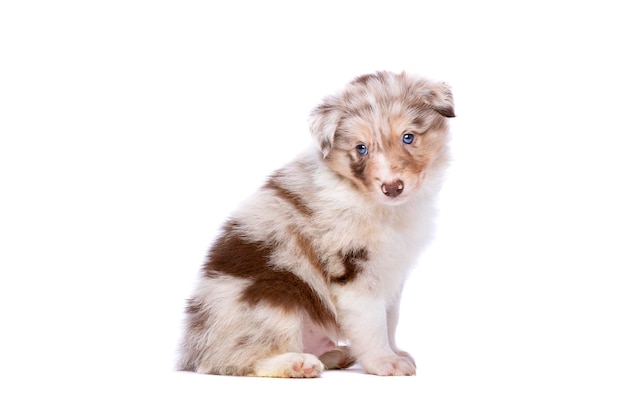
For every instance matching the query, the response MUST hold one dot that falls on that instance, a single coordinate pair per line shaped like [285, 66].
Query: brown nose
[392, 189]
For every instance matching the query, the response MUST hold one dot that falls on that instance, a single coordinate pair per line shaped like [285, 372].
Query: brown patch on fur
[243, 341]
[357, 166]
[236, 256]
[409, 158]
[197, 317]
[441, 101]
[266, 341]
[197, 321]
[308, 250]
[446, 111]
[353, 265]
[324, 119]
[364, 79]
[287, 195]
[281, 288]
[365, 110]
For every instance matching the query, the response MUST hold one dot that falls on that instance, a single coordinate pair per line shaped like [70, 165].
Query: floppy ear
[439, 98]
[323, 124]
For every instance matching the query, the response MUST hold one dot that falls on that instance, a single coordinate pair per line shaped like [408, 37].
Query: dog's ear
[439, 98]
[323, 124]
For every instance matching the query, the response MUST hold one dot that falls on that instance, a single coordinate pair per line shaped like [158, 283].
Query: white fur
[309, 217]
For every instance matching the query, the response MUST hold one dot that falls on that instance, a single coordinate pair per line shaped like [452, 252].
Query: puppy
[307, 274]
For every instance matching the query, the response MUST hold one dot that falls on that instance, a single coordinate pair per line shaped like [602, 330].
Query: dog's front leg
[393, 313]
[364, 321]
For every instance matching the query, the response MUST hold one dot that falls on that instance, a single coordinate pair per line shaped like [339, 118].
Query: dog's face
[384, 132]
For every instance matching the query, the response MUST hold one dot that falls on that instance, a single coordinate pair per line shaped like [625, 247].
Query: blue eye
[408, 138]
[362, 149]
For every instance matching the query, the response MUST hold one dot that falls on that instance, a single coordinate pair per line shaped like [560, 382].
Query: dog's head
[385, 132]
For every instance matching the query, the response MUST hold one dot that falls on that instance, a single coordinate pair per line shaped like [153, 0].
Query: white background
[130, 129]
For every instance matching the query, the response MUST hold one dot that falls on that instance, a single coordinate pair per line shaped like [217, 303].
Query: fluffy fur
[307, 274]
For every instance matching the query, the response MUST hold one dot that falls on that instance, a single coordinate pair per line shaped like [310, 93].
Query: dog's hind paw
[289, 365]
[338, 358]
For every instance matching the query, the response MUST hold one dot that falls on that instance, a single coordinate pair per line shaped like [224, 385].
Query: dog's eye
[362, 149]
[408, 138]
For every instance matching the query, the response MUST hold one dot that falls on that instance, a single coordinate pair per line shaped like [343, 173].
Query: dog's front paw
[389, 366]
[406, 355]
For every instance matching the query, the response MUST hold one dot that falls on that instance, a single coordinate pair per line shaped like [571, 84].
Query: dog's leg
[393, 313]
[289, 365]
[364, 320]
[227, 337]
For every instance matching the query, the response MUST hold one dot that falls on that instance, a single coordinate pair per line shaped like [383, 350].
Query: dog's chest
[362, 246]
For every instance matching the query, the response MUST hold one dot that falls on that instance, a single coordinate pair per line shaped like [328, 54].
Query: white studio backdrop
[129, 130]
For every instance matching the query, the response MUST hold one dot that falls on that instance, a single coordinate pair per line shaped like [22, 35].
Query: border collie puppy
[307, 274]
